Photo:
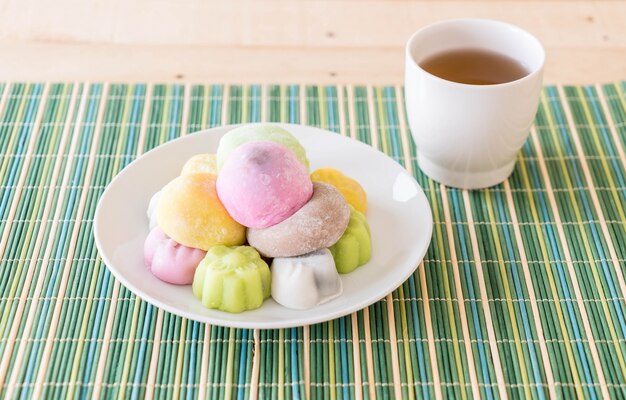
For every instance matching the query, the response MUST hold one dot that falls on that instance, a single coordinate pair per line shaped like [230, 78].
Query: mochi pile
[250, 222]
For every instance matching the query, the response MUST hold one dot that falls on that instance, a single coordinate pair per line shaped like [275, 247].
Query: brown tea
[474, 67]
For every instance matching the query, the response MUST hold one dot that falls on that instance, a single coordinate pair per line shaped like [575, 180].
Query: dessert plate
[398, 213]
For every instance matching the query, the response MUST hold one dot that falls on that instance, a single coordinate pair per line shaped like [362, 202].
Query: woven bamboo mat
[521, 294]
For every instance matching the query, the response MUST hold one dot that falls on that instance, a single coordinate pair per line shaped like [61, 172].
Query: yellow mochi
[349, 188]
[200, 163]
[190, 212]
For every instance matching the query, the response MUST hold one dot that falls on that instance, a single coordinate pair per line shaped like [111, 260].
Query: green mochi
[354, 248]
[255, 132]
[232, 279]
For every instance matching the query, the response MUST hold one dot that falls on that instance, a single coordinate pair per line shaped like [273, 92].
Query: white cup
[467, 136]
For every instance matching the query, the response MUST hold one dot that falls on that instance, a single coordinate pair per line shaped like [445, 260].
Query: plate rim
[291, 323]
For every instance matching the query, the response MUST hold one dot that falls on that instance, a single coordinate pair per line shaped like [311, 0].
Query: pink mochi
[170, 261]
[263, 183]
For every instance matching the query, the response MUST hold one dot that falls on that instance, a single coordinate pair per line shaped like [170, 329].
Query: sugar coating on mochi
[259, 132]
[200, 164]
[190, 212]
[317, 225]
[232, 279]
[354, 248]
[170, 261]
[305, 281]
[151, 212]
[262, 184]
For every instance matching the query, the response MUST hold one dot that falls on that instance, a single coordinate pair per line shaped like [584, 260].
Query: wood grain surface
[345, 41]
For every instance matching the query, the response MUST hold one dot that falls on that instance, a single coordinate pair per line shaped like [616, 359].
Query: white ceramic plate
[398, 214]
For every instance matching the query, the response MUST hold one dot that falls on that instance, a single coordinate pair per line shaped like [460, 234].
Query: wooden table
[282, 41]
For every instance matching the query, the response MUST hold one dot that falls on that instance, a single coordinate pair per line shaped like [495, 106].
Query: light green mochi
[256, 132]
[354, 248]
[232, 279]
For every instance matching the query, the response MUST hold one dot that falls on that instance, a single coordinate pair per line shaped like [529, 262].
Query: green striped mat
[521, 294]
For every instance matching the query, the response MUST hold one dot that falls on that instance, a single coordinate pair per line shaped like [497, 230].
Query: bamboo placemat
[520, 295]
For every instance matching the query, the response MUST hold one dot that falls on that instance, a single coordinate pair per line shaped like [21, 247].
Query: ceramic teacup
[468, 135]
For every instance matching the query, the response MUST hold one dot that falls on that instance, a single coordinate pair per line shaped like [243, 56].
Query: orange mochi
[204, 163]
[190, 212]
[351, 190]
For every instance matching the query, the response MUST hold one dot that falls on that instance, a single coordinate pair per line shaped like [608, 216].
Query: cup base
[464, 180]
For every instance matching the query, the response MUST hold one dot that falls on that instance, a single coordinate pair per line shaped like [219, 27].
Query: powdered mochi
[262, 184]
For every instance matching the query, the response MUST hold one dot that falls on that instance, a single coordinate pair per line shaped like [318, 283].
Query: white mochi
[152, 207]
[305, 281]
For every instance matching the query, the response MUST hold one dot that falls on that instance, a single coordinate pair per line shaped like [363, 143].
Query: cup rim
[528, 76]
